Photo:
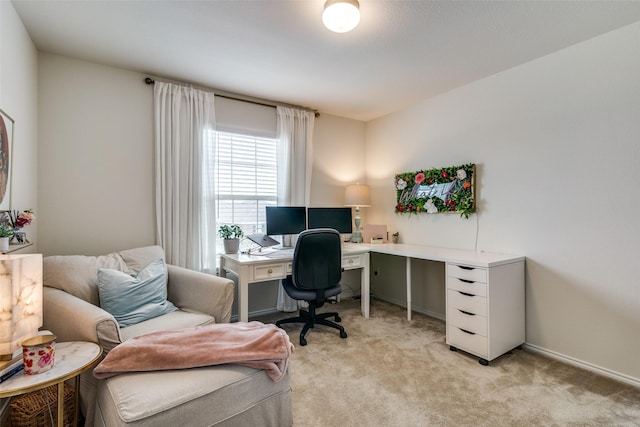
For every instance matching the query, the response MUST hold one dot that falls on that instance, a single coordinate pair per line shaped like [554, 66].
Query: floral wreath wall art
[446, 190]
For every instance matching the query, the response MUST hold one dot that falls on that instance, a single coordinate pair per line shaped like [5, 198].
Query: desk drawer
[270, 271]
[349, 262]
[468, 286]
[466, 320]
[470, 342]
[467, 302]
[475, 274]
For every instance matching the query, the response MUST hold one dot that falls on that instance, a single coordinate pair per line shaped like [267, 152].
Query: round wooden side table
[71, 359]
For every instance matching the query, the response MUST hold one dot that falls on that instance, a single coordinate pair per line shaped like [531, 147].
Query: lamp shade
[341, 16]
[358, 195]
[20, 300]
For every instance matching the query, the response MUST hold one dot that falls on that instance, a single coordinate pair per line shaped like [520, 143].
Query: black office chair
[315, 276]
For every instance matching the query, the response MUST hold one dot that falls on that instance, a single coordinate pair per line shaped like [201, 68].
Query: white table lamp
[20, 300]
[359, 196]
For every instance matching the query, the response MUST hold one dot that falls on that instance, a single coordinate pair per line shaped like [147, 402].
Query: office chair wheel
[343, 334]
[338, 319]
[303, 341]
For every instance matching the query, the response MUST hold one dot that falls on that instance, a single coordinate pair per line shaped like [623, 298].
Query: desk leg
[76, 401]
[61, 404]
[222, 272]
[243, 290]
[408, 288]
[365, 287]
[243, 295]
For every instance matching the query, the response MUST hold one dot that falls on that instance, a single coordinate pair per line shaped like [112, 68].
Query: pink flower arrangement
[20, 219]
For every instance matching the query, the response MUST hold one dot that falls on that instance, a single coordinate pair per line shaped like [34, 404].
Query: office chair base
[310, 319]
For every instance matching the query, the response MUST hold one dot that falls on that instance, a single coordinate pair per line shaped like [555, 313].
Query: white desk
[259, 268]
[448, 256]
[484, 297]
[484, 291]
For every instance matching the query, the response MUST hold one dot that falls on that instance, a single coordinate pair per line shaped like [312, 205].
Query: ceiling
[402, 51]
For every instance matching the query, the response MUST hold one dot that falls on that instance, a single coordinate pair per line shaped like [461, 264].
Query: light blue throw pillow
[132, 300]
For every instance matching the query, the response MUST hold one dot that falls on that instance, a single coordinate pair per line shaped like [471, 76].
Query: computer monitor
[283, 220]
[336, 218]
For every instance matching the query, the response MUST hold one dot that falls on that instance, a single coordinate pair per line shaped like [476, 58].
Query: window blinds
[246, 179]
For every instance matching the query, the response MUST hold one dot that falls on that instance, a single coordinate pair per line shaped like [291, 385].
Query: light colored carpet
[392, 372]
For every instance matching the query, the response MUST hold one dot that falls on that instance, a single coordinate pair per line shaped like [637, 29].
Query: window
[246, 180]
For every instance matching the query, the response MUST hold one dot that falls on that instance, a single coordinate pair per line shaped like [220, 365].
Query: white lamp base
[356, 237]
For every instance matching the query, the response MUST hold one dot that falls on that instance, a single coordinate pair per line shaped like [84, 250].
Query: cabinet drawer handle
[269, 271]
[464, 267]
[466, 294]
[466, 281]
[350, 261]
[468, 332]
[466, 312]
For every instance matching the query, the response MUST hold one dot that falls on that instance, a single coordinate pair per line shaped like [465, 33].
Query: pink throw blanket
[252, 344]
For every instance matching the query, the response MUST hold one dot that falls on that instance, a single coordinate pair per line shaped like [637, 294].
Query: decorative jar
[38, 354]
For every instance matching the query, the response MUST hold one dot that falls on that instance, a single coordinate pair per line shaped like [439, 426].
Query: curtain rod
[257, 101]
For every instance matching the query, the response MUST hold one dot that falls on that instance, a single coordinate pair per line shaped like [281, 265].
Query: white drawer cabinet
[485, 309]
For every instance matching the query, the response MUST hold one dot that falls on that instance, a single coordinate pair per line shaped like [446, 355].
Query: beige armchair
[72, 305]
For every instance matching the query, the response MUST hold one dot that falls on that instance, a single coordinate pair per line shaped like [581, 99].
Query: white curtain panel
[295, 132]
[185, 214]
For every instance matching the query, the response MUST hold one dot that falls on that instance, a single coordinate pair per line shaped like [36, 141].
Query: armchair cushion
[138, 258]
[76, 274]
[133, 299]
[178, 319]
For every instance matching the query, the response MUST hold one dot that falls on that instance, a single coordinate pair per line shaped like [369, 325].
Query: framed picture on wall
[6, 148]
[438, 190]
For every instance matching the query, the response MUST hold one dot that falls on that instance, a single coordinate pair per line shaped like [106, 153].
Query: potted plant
[231, 235]
[395, 237]
[5, 234]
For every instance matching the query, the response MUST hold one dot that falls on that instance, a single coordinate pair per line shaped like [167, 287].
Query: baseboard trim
[399, 303]
[258, 313]
[428, 313]
[627, 379]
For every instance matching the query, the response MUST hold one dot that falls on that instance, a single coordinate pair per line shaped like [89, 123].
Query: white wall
[556, 143]
[96, 167]
[18, 98]
[338, 159]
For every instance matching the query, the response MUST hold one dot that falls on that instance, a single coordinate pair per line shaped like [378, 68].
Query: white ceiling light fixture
[341, 16]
